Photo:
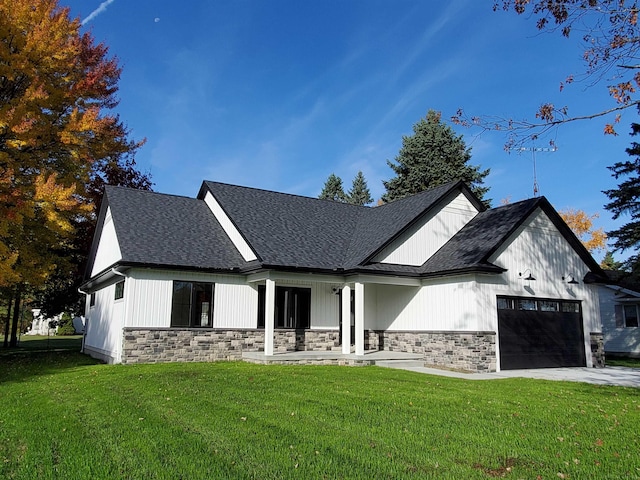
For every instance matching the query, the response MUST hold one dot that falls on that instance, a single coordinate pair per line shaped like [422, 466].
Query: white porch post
[359, 307]
[269, 315]
[346, 319]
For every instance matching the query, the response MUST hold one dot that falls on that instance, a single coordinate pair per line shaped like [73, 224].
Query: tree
[611, 38]
[359, 193]
[626, 200]
[432, 156]
[582, 225]
[609, 263]
[333, 190]
[56, 86]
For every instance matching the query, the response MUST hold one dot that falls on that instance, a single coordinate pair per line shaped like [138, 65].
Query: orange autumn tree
[56, 89]
[582, 225]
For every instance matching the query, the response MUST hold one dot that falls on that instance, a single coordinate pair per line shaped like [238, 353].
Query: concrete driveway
[617, 376]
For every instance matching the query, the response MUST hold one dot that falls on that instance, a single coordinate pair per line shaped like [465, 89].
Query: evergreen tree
[626, 199]
[609, 263]
[333, 190]
[432, 156]
[359, 193]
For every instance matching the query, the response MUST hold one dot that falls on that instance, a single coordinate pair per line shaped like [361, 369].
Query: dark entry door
[540, 333]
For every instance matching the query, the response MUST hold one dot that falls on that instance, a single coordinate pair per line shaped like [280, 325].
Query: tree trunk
[6, 325]
[16, 317]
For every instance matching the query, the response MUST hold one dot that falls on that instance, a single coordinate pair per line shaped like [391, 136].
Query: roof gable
[168, 230]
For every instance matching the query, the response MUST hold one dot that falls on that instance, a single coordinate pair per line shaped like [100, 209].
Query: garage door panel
[540, 339]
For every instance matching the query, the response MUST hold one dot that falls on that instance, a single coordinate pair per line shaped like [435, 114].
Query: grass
[34, 343]
[62, 415]
[623, 362]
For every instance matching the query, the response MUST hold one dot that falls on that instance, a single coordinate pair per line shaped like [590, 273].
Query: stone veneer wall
[468, 351]
[597, 349]
[151, 345]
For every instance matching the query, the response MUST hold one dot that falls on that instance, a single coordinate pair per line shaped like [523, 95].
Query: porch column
[346, 319]
[269, 315]
[359, 307]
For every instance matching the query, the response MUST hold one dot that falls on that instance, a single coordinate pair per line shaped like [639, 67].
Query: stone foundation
[597, 349]
[152, 345]
[468, 351]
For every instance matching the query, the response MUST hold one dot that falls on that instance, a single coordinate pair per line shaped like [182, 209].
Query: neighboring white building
[620, 313]
[40, 324]
[239, 269]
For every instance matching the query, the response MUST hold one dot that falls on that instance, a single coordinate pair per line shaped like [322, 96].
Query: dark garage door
[540, 333]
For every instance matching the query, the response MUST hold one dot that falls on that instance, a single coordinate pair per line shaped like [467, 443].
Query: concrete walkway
[616, 376]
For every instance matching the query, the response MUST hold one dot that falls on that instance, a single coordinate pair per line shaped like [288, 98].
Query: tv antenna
[533, 151]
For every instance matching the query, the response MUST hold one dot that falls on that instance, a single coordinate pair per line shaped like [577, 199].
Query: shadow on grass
[37, 356]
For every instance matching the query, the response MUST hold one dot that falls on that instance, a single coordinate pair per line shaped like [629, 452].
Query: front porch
[371, 357]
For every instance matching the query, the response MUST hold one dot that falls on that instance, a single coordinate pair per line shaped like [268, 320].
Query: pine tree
[359, 193]
[626, 199]
[609, 263]
[432, 156]
[333, 190]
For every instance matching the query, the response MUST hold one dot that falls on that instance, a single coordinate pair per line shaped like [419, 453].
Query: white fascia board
[293, 276]
[230, 229]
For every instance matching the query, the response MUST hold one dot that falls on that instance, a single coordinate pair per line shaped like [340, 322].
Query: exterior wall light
[571, 279]
[528, 277]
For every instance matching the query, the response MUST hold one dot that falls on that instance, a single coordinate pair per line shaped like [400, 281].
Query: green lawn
[64, 416]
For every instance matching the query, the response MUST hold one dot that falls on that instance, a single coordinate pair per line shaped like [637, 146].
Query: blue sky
[279, 94]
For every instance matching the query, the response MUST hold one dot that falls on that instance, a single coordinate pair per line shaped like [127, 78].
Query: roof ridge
[122, 187]
[297, 195]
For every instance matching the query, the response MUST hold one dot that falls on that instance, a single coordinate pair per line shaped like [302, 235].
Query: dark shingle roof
[471, 247]
[159, 229]
[290, 231]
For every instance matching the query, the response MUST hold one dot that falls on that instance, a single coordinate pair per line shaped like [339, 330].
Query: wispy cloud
[103, 6]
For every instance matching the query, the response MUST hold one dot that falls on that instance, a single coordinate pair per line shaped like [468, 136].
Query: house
[240, 269]
[620, 313]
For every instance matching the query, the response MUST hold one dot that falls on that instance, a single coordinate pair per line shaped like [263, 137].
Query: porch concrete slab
[330, 357]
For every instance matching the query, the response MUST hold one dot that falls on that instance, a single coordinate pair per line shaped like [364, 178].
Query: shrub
[66, 330]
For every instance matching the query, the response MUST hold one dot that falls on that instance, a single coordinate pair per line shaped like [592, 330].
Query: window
[549, 306]
[293, 307]
[630, 315]
[538, 304]
[92, 300]
[192, 304]
[119, 290]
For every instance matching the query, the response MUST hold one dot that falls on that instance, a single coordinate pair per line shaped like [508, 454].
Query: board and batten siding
[103, 325]
[617, 339]
[444, 305]
[421, 241]
[108, 251]
[537, 246]
[235, 301]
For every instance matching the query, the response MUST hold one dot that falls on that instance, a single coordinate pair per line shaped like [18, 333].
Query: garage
[540, 333]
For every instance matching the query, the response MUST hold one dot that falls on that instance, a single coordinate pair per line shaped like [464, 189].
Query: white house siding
[415, 246]
[325, 305]
[103, 326]
[444, 305]
[235, 302]
[108, 251]
[617, 340]
[539, 248]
